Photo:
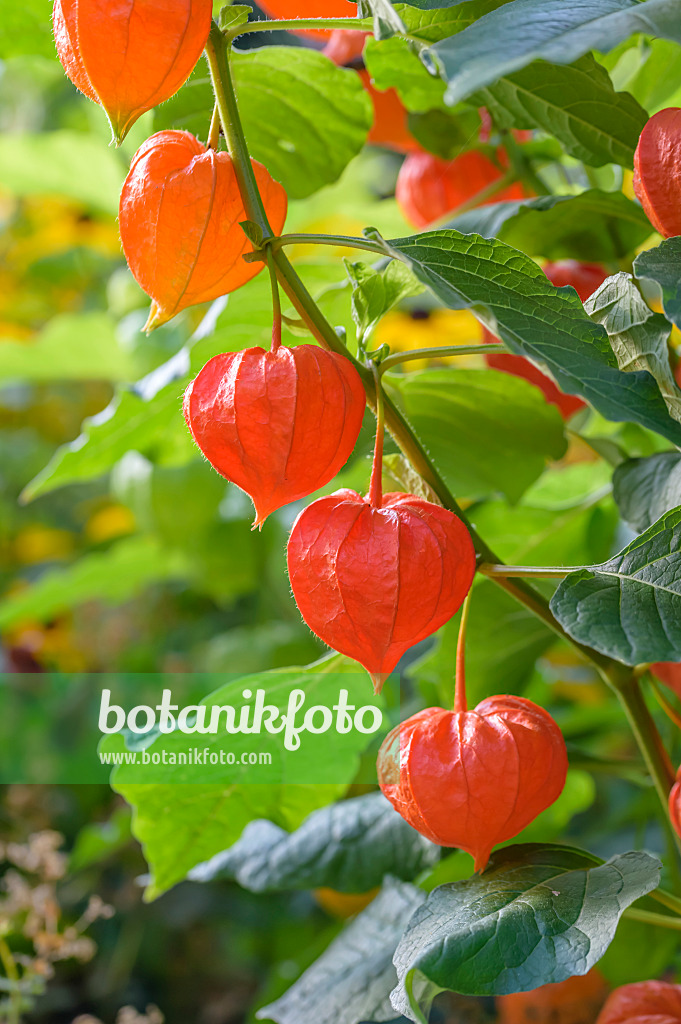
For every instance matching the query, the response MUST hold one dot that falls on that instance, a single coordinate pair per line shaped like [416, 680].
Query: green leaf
[511, 296]
[575, 103]
[395, 62]
[206, 805]
[351, 981]
[516, 34]
[645, 489]
[127, 422]
[114, 576]
[630, 606]
[376, 292]
[663, 266]
[487, 431]
[26, 28]
[82, 346]
[180, 825]
[233, 15]
[63, 163]
[348, 846]
[639, 337]
[536, 915]
[592, 226]
[654, 77]
[304, 118]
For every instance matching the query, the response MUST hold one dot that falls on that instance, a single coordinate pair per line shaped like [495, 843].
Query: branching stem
[537, 572]
[444, 352]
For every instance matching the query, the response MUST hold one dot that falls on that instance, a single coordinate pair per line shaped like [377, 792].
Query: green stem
[295, 25]
[440, 353]
[667, 899]
[346, 241]
[650, 917]
[537, 572]
[225, 98]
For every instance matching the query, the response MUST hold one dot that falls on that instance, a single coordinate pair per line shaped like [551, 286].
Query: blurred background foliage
[128, 553]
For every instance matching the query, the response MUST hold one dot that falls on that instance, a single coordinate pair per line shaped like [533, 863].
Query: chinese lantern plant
[180, 215]
[278, 424]
[130, 56]
[375, 575]
[473, 779]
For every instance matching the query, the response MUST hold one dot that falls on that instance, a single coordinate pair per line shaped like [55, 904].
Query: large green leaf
[64, 163]
[516, 34]
[487, 431]
[72, 346]
[180, 825]
[663, 266]
[630, 606]
[639, 337]
[351, 981]
[188, 810]
[304, 118]
[26, 27]
[349, 846]
[514, 299]
[645, 489]
[113, 576]
[536, 915]
[594, 225]
[576, 103]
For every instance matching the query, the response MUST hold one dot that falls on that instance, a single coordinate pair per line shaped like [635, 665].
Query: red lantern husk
[132, 55]
[645, 1002]
[278, 424]
[657, 171]
[472, 779]
[428, 188]
[180, 215]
